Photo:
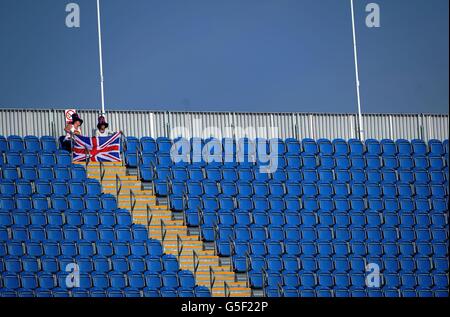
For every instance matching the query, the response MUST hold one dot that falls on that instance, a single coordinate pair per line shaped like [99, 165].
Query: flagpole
[360, 125]
[100, 56]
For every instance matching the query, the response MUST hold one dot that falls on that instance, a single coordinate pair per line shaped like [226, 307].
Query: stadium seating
[309, 229]
[331, 208]
[52, 215]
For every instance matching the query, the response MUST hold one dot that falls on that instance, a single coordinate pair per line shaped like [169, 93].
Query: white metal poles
[360, 124]
[100, 56]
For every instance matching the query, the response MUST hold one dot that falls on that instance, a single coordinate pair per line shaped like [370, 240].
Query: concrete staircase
[146, 208]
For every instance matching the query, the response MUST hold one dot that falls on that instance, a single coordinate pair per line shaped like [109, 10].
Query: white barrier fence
[227, 124]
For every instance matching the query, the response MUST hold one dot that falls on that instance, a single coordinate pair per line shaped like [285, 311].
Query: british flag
[99, 149]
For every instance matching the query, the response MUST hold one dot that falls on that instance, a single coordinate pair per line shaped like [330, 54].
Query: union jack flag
[100, 149]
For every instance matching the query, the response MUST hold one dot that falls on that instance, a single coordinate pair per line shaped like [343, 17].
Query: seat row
[100, 280]
[287, 291]
[309, 189]
[198, 291]
[161, 175]
[73, 233]
[307, 202]
[430, 161]
[42, 172]
[341, 263]
[312, 219]
[28, 143]
[295, 249]
[70, 217]
[344, 280]
[16, 158]
[324, 233]
[86, 248]
[58, 202]
[393, 194]
[292, 145]
[50, 187]
[88, 263]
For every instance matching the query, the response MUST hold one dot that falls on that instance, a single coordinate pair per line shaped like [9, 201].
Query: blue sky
[233, 55]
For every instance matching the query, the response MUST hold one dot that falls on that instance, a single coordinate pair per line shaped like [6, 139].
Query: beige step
[116, 171]
[234, 292]
[138, 197]
[174, 230]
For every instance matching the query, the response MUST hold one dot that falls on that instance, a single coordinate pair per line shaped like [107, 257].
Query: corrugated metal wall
[226, 124]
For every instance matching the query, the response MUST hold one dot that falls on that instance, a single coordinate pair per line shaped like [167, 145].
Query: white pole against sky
[100, 56]
[360, 128]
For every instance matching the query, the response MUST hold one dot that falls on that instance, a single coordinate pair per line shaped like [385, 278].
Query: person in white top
[74, 127]
[102, 127]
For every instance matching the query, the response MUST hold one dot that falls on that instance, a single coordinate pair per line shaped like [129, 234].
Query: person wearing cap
[73, 127]
[102, 127]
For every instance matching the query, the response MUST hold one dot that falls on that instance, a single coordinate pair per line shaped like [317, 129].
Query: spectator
[74, 127]
[102, 127]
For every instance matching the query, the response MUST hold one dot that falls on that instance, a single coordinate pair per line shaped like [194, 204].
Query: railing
[163, 231]
[280, 290]
[102, 171]
[153, 167]
[294, 124]
[232, 252]
[118, 186]
[184, 198]
[179, 246]
[196, 262]
[149, 216]
[212, 278]
[247, 260]
[168, 185]
[123, 147]
[201, 221]
[226, 289]
[264, 280]
[87, 157]
[132, 202]
[138, 166]
[216, 237]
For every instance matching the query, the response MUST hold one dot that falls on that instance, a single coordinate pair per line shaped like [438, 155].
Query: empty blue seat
[148, 145]
[48, 144]
[11, 280]
[292, 145]
[30, 159]
[356, 146]
[3, 144]
[389, 147]
[15, 143]
[373, 147]
[230, 174]
[294, 161]
[340, 147]
[10, 172]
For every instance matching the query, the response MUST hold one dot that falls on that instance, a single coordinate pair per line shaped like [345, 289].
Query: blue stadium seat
[3, 144]
[148, 145]
[15, 143]
[292, 146]
[373, 147]
[164, 144]
[48, 144]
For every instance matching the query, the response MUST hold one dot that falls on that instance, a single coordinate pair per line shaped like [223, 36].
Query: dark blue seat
[48, 144]
[373, 147]
[148, 145]
[30, 159]
[292, 146]
[16, 143]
